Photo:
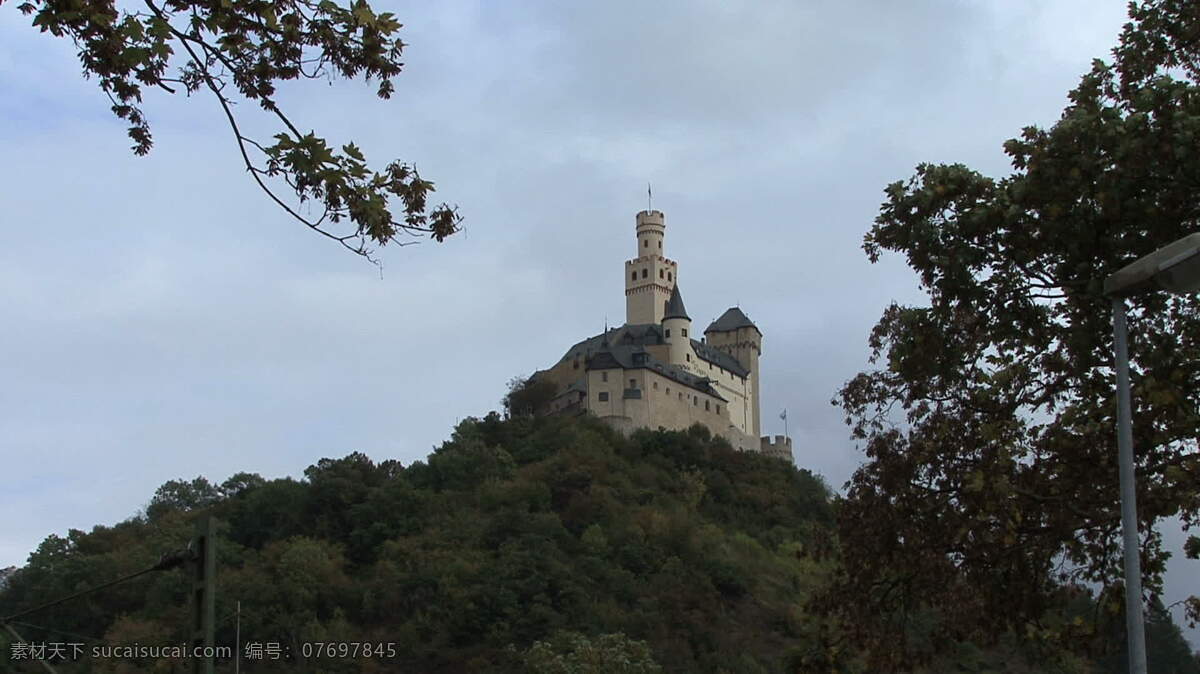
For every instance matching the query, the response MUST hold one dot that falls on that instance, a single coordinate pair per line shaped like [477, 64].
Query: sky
[162, 320]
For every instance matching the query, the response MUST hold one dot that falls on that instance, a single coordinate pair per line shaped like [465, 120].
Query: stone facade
[652, 373]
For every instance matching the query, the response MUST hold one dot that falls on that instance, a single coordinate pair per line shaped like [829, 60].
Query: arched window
[660, 273]
[634, 276]
[645, 243]
[645, 273]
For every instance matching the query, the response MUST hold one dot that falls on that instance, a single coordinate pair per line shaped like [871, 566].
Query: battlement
[650, 218]
[779, 447]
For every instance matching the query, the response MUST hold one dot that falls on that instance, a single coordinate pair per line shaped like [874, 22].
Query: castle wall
[745, 344]
[660, 403]
[735, 389]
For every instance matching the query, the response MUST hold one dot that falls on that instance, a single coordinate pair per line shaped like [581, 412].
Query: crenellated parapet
[779, 447]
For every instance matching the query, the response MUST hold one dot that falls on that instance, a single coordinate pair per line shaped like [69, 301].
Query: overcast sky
[160, 319]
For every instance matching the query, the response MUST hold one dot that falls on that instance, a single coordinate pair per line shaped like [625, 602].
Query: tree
[1001, 475]
[528, 395]
[182, 495]
[254, 45]
[574, 653]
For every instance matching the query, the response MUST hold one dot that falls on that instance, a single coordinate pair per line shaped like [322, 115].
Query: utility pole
[202, 567]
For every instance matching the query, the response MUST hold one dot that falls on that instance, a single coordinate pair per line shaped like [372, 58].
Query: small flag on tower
[783, 415]
[649, 197]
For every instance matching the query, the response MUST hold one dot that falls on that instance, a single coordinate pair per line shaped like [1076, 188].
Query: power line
[169, 560]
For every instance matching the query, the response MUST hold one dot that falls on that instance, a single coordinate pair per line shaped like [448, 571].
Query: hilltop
[512, 532]
[520, 545]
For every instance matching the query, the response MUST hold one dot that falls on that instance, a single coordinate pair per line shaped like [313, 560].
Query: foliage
[1166, 649]
[523, 544]
[528, 395]
[999, 482]
[574, 653]
[255, 46]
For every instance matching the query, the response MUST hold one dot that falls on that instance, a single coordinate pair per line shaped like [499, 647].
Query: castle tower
[649, 277]
[735, 334]
[676, 326]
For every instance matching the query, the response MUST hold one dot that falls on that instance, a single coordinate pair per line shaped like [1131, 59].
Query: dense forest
[520, 545]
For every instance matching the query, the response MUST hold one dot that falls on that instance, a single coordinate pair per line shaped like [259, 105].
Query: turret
[735, 334]
[649, 276]
[677, 328]
[651, 231]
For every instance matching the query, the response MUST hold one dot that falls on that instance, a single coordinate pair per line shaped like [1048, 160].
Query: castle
[650, 373]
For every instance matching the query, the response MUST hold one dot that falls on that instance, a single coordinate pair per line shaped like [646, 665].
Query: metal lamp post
[1175, 268]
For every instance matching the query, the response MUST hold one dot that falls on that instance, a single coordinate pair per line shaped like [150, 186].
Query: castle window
[718, 409]
[660, 244]
[684, 330]
[645, 273]
[655, 386]
[603, 376]
[695, 400]
[632, 383]
[706, 406]
[660, 273]
[634, 276]
[668, 332]
[680, 396]
[603, 396]
[645, 243]
[669, 276]
[575, 365]
[689, 357]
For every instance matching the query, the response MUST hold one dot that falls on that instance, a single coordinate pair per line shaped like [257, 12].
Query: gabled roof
[731, 320]
[675, 306]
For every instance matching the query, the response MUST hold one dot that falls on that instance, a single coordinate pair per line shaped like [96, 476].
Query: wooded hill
[520, 545]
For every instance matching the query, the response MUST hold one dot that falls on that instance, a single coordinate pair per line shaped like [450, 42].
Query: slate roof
[636, 357]
[719, 358]
[649, 334]
[731, 320]
[645, 334]
[675, 306]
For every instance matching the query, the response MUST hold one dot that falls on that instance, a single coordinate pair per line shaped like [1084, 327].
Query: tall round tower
[651, 231]
[650, 276]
